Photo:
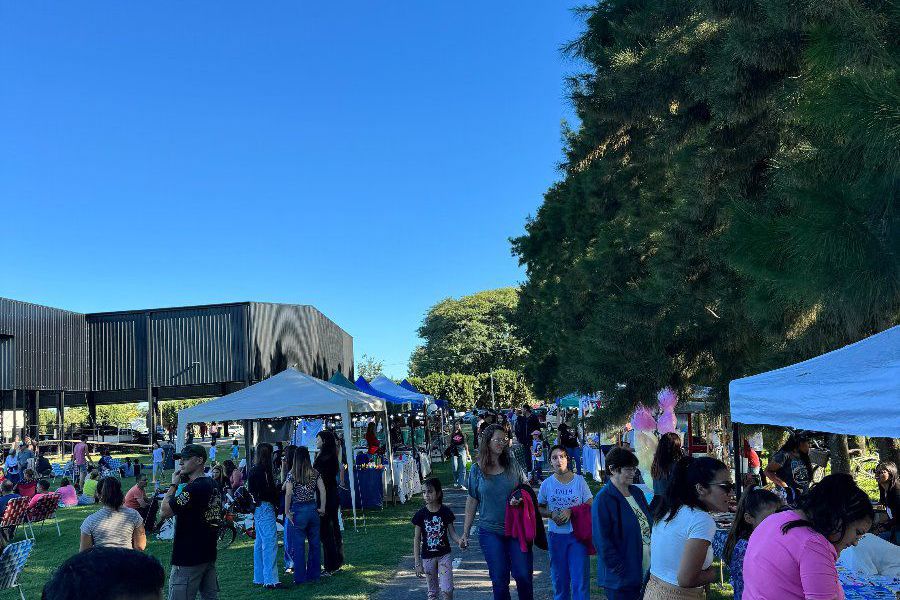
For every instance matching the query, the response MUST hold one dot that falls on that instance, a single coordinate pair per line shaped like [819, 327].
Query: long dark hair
[752, 503]
[485, 459]
[287, 463]
[328, 452]
[111, 493]
[668, 452]
[832, 505]
[301, 468]
[435, 484]
[793, 445]
[264, 456]
[682, 490]
[891, 469]
[370, 428]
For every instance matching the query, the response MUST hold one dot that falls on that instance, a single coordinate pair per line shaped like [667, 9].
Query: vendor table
[369, 489]
[593, 462]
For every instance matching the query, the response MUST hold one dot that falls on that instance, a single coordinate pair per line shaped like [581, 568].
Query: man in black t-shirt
[197, 507]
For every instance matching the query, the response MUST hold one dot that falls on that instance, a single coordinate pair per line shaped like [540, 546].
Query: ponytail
[682, 490]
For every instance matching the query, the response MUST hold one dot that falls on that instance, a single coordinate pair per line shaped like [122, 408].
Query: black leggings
[332, 540]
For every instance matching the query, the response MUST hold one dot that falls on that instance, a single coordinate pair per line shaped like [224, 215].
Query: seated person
[105, 463]
[137, 499]
[9, 492]
[43, 488]
[90, 485]
[42, 465]
[127, 469]
[27, 487]
[67, 494]
[109, 574]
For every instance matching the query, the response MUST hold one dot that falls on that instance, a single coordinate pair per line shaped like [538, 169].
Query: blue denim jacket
[617, 538]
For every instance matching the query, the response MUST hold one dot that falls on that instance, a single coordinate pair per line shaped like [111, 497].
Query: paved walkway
[470, 578]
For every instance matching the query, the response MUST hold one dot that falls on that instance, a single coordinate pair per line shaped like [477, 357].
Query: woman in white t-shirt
[681, 542]
[158, 458]
[559, 494]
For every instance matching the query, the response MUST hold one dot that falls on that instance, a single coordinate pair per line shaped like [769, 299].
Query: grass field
[372, 554]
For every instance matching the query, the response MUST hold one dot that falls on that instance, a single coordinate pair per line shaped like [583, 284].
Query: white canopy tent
[287, 394]
[853, 390]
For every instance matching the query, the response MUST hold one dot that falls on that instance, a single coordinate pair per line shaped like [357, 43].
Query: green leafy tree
[726, 205]
[465, 392]
[169, 409]
[369, 367]
[470, 335]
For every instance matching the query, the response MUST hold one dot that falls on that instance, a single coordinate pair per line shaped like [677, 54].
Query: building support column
[61, 422]
[14, 418]
[33, 420]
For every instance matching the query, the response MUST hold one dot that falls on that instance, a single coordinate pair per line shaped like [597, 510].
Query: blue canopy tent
[407, 385]
[418, 400]
[363, 386]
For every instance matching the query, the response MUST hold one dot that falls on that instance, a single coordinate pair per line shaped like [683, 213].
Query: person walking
[261, 484]
[668, 453]
[792, 555]
[621, 521]
[525, 424]
[568, 439]
[80, 456]
[198, 509]
[562, 491]
[303, 516]
[491, 482]
[114, 525]
[459, 449]
[681, 541]
[434, 530]
[328, 467]
[158, 458]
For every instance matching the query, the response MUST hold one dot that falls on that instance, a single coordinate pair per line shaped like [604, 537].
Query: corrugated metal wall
[7, 362]
[118, 347]
[50, 346]
[283, 335]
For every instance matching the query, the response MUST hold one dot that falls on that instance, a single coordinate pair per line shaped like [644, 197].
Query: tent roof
[852, 390]
[287, 394]
[407, 385]
[572, 400]
[386, 386]
[339, 379]
[364, 387]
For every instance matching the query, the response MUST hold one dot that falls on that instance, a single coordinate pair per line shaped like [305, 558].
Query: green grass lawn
[372, 554]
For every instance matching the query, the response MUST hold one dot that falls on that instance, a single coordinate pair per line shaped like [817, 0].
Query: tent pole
[390, 450]
[738, 463]
[351, 460]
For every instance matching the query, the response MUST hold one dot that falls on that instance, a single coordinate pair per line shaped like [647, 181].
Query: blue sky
[369, 158]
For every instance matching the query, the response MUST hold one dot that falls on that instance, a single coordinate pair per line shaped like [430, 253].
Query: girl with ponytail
[681, 543]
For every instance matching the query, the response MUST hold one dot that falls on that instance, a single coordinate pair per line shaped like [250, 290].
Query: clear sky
[368, 158]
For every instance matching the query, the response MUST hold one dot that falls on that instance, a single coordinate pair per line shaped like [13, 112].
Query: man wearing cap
[198, 508]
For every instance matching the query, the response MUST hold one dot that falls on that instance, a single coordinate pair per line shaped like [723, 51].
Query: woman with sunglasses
[681, 542]
[491, 480]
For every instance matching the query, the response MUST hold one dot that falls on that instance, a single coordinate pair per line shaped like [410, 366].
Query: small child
[756, 504]
[212, 451]
[537, 456]
[431, 544]
[235, 450]
[67, 494]
[27, 487]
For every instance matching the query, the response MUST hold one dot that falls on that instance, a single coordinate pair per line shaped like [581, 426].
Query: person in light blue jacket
[621, 522]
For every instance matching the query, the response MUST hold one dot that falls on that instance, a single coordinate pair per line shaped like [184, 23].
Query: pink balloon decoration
[643, 420]
[667, 398]
[667, 421]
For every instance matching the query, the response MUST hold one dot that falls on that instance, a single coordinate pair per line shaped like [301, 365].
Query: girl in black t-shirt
[431, 545]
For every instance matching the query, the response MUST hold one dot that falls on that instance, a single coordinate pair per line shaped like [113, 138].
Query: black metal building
[53, 358]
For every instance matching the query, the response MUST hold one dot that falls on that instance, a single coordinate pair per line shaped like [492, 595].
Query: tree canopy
[470, 335]
[728, 203]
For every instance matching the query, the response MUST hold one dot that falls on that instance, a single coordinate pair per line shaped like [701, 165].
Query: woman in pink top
[792, 554]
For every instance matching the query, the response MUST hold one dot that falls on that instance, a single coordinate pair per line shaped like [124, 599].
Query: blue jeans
[305, 528]
[575, 454]
[265, 547]
[624, 594]
[569, 567]
[503, 556]
[459, 468]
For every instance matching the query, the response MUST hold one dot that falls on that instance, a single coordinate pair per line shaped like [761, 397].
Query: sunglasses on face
[726, 486]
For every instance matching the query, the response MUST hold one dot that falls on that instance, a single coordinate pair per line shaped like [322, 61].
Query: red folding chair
[43, 509]
[13, 516]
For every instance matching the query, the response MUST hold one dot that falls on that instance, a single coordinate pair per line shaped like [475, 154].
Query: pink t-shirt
[68, 496]
[797, 565]
[79, 451]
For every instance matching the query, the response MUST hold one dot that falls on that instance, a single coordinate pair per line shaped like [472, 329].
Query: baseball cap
[192, 450]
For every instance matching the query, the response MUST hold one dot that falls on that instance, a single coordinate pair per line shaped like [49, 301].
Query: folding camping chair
[12, 561]
[59, 472]
[13, 516]
[44, 509]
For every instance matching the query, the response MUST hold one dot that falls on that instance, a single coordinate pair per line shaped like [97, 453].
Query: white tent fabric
[287, 394]
[853, 390]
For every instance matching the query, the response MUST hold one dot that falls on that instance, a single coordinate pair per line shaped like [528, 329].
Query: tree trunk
[888, 449]
[840, 453]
